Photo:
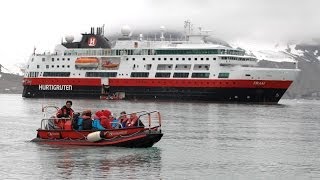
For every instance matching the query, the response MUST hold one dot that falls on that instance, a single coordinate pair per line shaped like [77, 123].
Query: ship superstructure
[189, 69]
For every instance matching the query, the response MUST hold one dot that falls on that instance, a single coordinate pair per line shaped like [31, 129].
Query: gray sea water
[201, 141]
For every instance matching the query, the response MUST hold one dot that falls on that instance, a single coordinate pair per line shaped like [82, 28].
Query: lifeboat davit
[87, 62]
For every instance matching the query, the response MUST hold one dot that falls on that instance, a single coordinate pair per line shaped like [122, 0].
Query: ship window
[201, 59]
[47, 66]
[101, 74]
[189, 59]
[223, 75]
[164, 67]
[57, 66]
[56, 74]
[149, 66]
[207, 59]
[144, 59]
[38, 66]
[195, 59]
[133, 59]
[139, 74]
[68, 59]
[52, 66]
[183, 59]
[163, 74]
[159, 59]
[214, 58]
[171, 59]
[180, 75]
[165, 59]
[68, 66]
[52, 59]
[183, 66]
[62, 66]
[153, 59]
[177, 59]
[248, 75]
[43, 59]
[200, 75]
[57, 59]
[62, 59]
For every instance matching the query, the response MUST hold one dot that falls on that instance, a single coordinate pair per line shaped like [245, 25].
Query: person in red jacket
[66, 111]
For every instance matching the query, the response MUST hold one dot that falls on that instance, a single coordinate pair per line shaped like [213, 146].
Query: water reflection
[97, 162]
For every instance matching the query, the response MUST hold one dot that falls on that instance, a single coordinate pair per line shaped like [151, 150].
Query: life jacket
[96, 125]
[106, 113]
[133, 121]
[80, 123]
[67, 125]
[59, 123]
[98, 114]
[123, 120]
[65, 112]
[105, 122]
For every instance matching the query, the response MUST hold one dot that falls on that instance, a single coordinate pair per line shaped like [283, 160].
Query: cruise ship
[190, 68]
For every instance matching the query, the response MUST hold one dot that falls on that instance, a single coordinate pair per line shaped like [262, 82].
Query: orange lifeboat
[109, 64]
[87, 62]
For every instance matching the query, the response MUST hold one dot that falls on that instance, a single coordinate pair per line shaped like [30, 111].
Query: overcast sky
[25, 24]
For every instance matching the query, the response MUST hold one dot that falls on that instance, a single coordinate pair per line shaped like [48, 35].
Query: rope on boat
[109, 139]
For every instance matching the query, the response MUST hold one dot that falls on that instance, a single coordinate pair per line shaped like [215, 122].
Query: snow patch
[318, 58]
[274, 56]
[295, 51]
[315, 52]
[13, 68]
[269, 52]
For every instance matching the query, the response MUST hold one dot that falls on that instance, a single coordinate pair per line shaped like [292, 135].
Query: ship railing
[145, 116]
[51, 123]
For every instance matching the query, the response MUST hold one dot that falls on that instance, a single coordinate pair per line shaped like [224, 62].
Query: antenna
[162, 29]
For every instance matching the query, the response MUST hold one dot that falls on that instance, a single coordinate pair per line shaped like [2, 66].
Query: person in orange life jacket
[123, 118]
[134, 121]
[66, 111]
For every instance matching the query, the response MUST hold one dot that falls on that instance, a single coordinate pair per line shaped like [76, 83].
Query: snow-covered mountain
[17, 69]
